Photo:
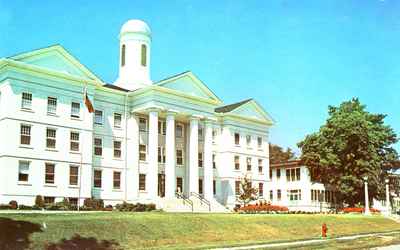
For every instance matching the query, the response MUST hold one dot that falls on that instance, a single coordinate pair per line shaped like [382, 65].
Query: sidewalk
[310, 242]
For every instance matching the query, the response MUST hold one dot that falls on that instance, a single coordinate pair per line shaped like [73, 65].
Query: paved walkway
[311, 242]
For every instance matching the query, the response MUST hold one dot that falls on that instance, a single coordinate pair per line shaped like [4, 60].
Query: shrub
[108, 208]
[93, 204]
[39, 202]
[263, 208]
[13, 204]
[358, 210]
[138, 207]
[4, 206]
[24, 207]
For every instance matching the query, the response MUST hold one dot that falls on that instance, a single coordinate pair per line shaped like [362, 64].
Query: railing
[184, 199]
[202, 199]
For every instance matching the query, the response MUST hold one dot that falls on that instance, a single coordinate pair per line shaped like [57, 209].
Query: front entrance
[161, 185]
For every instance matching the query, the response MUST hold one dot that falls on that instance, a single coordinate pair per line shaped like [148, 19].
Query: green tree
[353, 143]
[247, 192]
[277, 154]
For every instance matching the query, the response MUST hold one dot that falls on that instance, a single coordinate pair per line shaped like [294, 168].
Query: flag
[87, 101]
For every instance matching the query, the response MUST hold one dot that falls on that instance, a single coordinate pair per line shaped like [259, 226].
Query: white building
[145, 141]
[292, 186]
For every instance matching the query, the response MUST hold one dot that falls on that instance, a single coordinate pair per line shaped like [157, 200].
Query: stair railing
[202, 199]
[185, 199]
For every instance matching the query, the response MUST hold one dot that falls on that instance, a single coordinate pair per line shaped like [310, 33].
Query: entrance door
[161, 185]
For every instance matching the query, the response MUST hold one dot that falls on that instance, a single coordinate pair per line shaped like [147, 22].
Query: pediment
[189, 84]
[252, 109]
[55, 58]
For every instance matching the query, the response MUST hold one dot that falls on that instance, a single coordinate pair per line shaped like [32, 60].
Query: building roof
[290, 163]
[230, 107]
[112, 86]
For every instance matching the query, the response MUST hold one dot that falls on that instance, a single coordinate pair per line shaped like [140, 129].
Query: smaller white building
[291, 186]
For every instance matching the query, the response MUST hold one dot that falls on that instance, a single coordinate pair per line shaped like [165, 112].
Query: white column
[208, 168]
[170, 185]
[367, 212]
[132, 157]
[194, 155]
[152, 173]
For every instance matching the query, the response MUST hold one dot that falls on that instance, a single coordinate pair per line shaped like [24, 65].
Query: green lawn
[165, 230]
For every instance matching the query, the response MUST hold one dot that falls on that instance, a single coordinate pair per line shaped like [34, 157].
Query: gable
[55, 58]
[190, 85]
[252, 110]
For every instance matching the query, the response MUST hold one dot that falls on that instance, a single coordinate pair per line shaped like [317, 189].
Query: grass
[177, 231]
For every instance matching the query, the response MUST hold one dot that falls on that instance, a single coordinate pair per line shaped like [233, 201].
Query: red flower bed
[263, 208]
[359, 210]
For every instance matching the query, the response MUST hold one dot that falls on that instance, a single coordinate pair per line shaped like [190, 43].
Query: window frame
[141, 129]
[26, 104]
[97, 180]
[117, 124]
[96, 122]
[75, 142]
[237, 138]
[98, 147]
[179, 157]
[236, 161]
[50, 176]
[248, 140]
[248, 163]
[73, 114]
[49, 138]
[25, 134]
[200, 159]
[52, 111]
[179, 135]
[117, 150]
[117, 180]
[143, 153]
[73, 177]
[143, 55]
[142, 182]
[23, 172]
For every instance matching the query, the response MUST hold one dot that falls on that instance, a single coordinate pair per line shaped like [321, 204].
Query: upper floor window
[213, 161]
[142, 124]
[98, 117]
[162, 128]
[98, 146]
[117, 120]
[179, 157]
[261, 189]
[237, 138]
[161, 154]
[51, 105]
[200, 159]
[259, 142]
[142, 152]
[237, 162]
[123, 48]
[75, 109]
[73, 175]
[25, 134]
[51, 138]
[200, 133]
[50, 172]
[117, 149]
[248, 160]
[270, 174]
[74, 141]
[248, 140]
[179, 130]
[293, 174]
[26, 100]
[144, 55]
[278, 173]
[23, 171]
[260, 166]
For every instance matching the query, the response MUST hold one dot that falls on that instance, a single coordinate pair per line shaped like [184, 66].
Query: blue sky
[294, 57]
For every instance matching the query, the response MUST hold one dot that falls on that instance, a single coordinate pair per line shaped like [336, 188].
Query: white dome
[135, 26]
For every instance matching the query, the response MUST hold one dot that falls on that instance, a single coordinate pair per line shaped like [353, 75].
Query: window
[260, 166]
[179, 184]
[161, 155]
[98, 146]
[293, 174]
[50, 138]
[117, 149]
[200, 131]
[237, 139]
[74, 141]
[248, 140]
[278, 173]
[73, 201]
[200, 186]
[214, 187]
[248, 160]
[23, 171]
[214, 135]
[48, 200]
[179, 157]
[279, 194]
[259, 142]
[98, 117]
[75, 109]
[271, 195]
[26, 100]
[237, 187]
[162, 128]
[237, 162]
[213, 162]
[51, 105]
[142, 182]
[73, 175]
[123, 48]
[49, 173]
[25, 134]
[200, 159]
[179, 130]
[261, 189]
[144, 55]
[142, 152]
[97, 178]
[294, 195]
[117, 120]
[116, 180]
[270, 174]
[142, 124]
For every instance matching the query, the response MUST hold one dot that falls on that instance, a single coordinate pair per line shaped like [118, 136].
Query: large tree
[277, 154]
[352, 144]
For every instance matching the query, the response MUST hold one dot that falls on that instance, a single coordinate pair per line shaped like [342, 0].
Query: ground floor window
[116, 180]
[261, 189]
[214, 187]
[142, 182]
[23, 171]
[73, 175]
[97, 178]
[179, 184]
[49, 173]
[48, 200]
[237, 187]
[294, 195]
[200, 186]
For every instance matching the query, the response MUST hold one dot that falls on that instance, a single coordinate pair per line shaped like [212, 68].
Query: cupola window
[144, 55]
[123, 55]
